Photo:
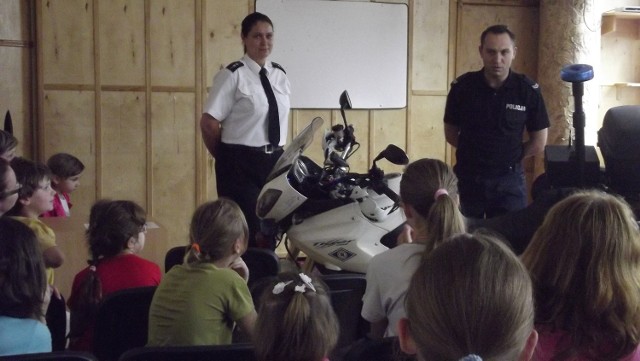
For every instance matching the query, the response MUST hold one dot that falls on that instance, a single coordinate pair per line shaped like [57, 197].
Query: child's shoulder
[43, 232]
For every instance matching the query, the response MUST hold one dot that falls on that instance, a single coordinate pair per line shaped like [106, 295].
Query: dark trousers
[486, 196]
[240, 175]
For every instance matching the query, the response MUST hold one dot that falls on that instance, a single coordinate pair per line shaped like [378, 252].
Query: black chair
[346, 291]
[261, 262]
[122, 322]
[385, 349]
[50, 356]
[233, 352]
[57, 323]
[174, 257]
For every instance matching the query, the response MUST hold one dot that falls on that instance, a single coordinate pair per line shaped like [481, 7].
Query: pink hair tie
[439, 192]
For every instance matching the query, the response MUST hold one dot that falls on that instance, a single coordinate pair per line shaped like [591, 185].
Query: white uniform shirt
[239, 102]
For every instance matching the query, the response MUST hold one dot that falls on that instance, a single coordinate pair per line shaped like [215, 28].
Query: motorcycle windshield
[296, 148]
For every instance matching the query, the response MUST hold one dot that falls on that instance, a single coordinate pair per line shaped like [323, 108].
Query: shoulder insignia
[461, 77]
[235, 66]
[278, 66]
[530, 81]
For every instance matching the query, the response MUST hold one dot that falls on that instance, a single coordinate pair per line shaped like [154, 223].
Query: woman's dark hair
[65, 165]
[4, 169]
[22, 276]
[7, 141]
[251, 19]
[111, 225]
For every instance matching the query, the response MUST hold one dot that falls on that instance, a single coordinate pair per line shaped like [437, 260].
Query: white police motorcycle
[337, 218]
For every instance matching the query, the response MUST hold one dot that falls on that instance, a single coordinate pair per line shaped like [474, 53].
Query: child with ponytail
[429, 193]
[200, 301]
[116, 233]
[296, 321]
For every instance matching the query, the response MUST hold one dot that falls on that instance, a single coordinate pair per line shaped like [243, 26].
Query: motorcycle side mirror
[345, 103]
[393, 154]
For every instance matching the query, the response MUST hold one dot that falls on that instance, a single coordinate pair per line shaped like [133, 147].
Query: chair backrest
[233, 352]
[384, 349]
[57, 322]
[122, 322]
[51, 356]
[346, 291]
[174, 257]
[261, 262]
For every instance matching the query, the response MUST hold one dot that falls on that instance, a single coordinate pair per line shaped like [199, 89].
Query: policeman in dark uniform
[245, 120]
[486, 114]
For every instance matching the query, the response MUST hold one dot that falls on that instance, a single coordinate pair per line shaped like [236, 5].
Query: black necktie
[274, 120]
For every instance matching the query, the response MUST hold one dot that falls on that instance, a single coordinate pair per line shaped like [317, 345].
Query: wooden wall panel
[69, 123]
[124, 146]
[122, 42]
[172, 24]
[430, 46]
[426, 128]
[16, 92]
[522, 20]
[173, 163]
[221, 34]
[67, 43]
[388, 126]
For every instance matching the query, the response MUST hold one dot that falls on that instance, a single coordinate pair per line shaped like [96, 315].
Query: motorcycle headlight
[267, 201]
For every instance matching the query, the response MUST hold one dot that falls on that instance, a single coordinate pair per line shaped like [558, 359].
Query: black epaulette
[530, 82]
[235, 66]
[456, 80]
[278, 66]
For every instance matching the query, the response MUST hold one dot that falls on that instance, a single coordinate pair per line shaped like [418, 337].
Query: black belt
[267, 149]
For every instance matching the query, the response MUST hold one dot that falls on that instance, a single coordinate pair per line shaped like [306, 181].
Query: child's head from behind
[66, 171]
[36, 195]
[471, 295]
[295, 320]
[114, 227]
[8, 144]
[588, 245]
[429, 192]
[219, 229]
[22, 276]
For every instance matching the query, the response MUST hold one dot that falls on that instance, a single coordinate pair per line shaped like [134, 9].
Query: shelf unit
[620, 57]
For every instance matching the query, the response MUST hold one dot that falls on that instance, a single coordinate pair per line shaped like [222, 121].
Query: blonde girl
[585, 265]
[429, 192]
[296, 321]
[470, 300]
[200, 301]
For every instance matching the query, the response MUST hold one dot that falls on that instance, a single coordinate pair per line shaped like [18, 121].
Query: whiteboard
[330, 46]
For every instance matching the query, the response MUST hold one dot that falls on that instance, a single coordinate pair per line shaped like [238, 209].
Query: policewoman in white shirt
[244, 123]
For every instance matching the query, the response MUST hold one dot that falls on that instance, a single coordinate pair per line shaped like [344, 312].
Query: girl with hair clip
[9, 187]
[585, 264]
[296, 321]
[429, 192]
[115, 235]
[24, 293]
[470, 300]
[199, 301]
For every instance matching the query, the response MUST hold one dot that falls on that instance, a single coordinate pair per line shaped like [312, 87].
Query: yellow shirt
[45, 235]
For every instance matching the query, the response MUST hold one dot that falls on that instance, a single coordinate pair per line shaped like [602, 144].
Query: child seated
[66, 171]
[296, 321]
[34, 198]
[23, 291]
[585, 265]
[116, 234]
[199, 301]
[470, 300]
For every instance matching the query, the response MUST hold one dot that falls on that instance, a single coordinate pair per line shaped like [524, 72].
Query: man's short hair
[497, 29]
